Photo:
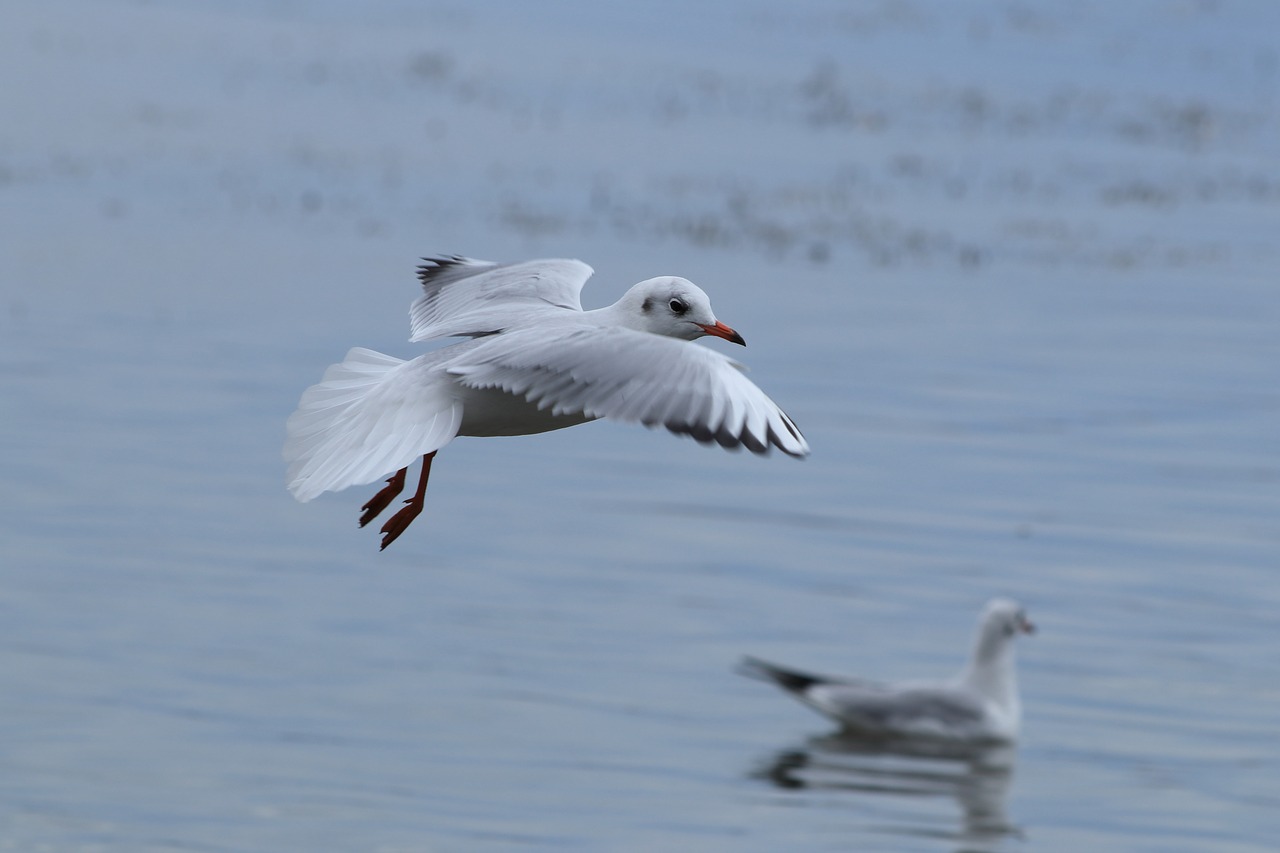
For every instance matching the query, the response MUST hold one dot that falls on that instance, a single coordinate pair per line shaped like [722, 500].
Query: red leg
[399, 522]
[377, 503]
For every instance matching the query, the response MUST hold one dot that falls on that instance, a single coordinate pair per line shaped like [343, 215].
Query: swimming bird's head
[1002, 620]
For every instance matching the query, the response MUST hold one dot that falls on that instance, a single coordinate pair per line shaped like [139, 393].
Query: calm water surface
[1013, 272]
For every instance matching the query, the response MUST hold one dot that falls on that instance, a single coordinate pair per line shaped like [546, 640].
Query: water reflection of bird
[977, 777]
[536, 362]
[980, 703]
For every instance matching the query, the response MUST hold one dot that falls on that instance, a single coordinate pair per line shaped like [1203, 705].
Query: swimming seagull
[535, 362]
[979, 704]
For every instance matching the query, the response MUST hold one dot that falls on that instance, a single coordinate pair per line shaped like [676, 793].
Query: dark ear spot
[647, 305]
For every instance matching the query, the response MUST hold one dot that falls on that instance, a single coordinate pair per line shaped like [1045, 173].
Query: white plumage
[981, 703]
[535, 362]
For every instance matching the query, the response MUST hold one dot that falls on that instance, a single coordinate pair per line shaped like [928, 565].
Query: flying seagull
[535, 361]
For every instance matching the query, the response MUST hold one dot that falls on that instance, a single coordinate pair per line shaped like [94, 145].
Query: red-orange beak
[720, 330]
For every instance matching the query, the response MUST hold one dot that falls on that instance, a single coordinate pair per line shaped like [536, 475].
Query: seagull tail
[369, 416]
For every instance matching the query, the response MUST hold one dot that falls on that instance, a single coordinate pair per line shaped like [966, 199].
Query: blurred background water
[1011, 268]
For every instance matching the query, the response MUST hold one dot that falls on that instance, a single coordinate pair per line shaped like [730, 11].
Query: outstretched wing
[634, 376]
[466, 297]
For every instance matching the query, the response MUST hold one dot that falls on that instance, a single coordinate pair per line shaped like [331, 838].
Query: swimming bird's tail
[788, 679]
[369, 416]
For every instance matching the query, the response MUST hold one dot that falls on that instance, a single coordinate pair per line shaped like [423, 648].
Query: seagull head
[990, 669]
[674, 307]
[1001, 622]
[1003, 619]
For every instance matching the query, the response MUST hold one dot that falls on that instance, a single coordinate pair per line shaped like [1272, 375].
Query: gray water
[1012, 269]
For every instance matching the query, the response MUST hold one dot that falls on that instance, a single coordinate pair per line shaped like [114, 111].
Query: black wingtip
[788, 679]
[433, 265]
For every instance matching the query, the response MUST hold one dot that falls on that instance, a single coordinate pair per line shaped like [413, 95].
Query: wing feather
[466, 297]
[882, 707]
[633, 376]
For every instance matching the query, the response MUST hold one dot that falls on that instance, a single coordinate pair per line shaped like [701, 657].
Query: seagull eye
[678, 307]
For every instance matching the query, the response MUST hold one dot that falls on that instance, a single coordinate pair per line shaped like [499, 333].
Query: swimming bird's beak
[1025, 625]
[720, 330]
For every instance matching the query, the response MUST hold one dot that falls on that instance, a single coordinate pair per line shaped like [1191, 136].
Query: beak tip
[720, 330]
